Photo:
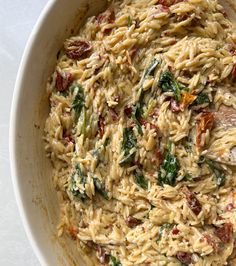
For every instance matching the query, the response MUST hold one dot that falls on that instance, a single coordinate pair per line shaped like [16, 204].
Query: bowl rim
[15, 176]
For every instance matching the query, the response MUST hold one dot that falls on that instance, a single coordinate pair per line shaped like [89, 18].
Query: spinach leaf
[137, 115]
[201, 99]
[129, 142]
[129, 21]
[79, 100]
[83, 178]
[167, 82]
[100, 188]
[138, 107]
[151, 68]
[187, 143]
[115, 261]
[140, 180]
[218, 171]
[107, 142]
[63, 93]
[168, 170]
[163, 228]
[73, 187]
[188, 177]
[97, 155]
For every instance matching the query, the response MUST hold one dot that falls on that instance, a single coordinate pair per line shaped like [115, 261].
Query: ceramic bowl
[31, 169]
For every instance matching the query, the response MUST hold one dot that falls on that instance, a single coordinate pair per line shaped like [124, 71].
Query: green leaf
[218, 171]
[107, 142]
[167, 82]
[129, 21]
[137, 115]
[165, 227]
[188, 145]
[79, 100]
[140, 180]
[115, 261]
[73, 187]
[151, 68]
[168, 171]
[138, 107]
[63, 93]
[100, 188]
[202, 98]
[83, 178]
[129, 142]
[188, 177]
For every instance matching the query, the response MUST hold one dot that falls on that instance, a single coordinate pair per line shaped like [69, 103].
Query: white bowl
[31, 170]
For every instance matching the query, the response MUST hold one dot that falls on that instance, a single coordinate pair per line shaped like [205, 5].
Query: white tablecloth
[17, 17]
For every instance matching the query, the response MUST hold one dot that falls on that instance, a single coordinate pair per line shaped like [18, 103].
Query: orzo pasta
[142, 134]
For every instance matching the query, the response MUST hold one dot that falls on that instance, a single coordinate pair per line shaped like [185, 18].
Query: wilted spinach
[215, 168]
[107, 142]
[140, 180]
[165, 227]
[202, 98]
[137, 115]
[188, 177]
[138, 107]
[218, 171]
[79, 100]
[167, 82]
[73, 187]
[169, 169]
[151, 68]
[129, 142]
[100, 188]
[115, 261]
[129, 21]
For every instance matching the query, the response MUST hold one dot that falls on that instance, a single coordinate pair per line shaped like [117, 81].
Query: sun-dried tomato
[100, 18]
[174, 106]
[78, 48]
[73, 231]
[193, 202]
[111, 17]
[225, 232]
[132, 222]
[145, 123]
[205, 122]
[187, 99]
[159, 155]
[231, 47]
[101, 126]
[114, 114]
[211, 242]
[102, 255]
[184, 257]
[128, 111]
[175, 231]
[63, 80]
[229, 207]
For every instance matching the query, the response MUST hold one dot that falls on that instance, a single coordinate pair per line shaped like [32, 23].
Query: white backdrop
[17, 17]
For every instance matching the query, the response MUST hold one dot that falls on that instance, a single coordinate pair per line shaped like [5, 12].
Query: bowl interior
[31, 169]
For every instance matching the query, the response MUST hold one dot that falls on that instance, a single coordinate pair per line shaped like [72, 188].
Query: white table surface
[17, 17]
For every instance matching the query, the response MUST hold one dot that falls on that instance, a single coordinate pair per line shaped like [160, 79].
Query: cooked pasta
[142, 134]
